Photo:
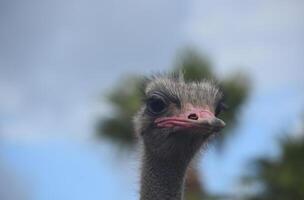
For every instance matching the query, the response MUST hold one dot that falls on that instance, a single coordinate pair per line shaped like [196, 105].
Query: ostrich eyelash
[166, 97]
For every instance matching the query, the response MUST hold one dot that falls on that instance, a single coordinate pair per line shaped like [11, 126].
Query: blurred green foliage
[125, 99]
[281, 178]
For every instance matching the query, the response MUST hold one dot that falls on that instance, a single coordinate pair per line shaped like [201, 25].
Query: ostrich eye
[156, 105]
[221, 106]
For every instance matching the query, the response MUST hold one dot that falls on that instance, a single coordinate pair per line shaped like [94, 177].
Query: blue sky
[58, 57]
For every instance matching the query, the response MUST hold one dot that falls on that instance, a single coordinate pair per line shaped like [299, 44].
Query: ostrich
[176, 119]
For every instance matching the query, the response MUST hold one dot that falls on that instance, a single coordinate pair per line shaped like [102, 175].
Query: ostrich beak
[203, 116]
[194, 118]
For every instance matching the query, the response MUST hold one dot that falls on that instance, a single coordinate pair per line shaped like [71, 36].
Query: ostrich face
[177, 115]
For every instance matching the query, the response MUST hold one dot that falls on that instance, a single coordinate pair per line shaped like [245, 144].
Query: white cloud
[57, 57]
[263, 37]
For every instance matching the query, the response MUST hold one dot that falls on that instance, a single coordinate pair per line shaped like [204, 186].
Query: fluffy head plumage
[177, 96]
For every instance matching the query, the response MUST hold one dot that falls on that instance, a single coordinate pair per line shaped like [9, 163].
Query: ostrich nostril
[193, 116]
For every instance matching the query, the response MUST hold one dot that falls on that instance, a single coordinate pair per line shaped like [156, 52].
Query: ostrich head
[177, 117]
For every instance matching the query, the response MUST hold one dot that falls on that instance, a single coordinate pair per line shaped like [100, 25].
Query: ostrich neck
[162, 179]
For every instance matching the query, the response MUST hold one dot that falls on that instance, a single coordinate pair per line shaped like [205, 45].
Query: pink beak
[193, 118]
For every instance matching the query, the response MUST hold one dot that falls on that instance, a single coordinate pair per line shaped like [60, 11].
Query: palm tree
[126, 101]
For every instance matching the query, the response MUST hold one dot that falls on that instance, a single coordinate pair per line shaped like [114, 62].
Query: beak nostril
[193, 116]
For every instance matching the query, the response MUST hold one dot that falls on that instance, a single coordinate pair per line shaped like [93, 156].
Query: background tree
[280, 178]
[126, 101]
